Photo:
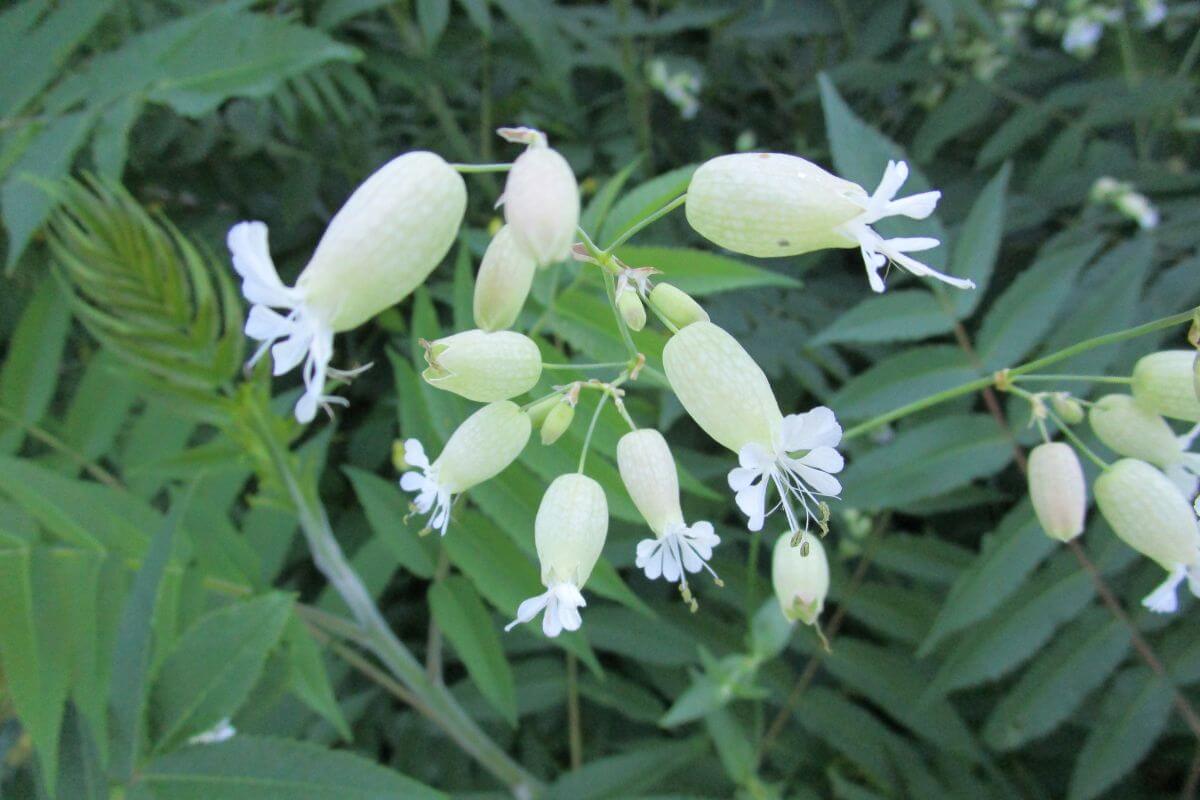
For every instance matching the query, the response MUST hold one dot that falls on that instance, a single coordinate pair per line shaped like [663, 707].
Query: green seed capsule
[1068, 408]
[1128, 428]
[558, 421]
[1165, 382]
[1148, 512]
[631, 308]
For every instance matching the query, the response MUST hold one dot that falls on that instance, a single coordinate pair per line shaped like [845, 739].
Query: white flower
[681, 549]
[220, 732]
[1082, 35]
[430, 494]
[561, 602]
[802, 479]
[877, 252]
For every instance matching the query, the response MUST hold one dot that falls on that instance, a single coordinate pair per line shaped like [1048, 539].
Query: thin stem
[630, 232]
[1088, 378]
[468, 169]
[587, 440]
[574, 724]
[53, 442]
[604, 365]
[626, 337]
[1075, 440]
[917, 405]
[433, 640]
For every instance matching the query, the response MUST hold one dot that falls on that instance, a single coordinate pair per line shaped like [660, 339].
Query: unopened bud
[541, 203]
[503, 282]
[1058, 490]
[538, 411]
[649, 474]
[801, 579]
[1129, 429]
[483, 366]
[1165, 382]
[558, 421]
[721, 387]
[1148, 512]
[676, 305]
[1069, 409]
[631, 308]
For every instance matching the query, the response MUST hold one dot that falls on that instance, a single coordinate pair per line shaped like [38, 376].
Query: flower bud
[770, 204]
[1058, 490]
[676, 305]
[479, 449]
[503, 282]
[801, 579]
[648, 472]
[391, 233]
[1147, 511]
[1128, 428]
[631, 308]
[483, 366]
[558, 421]
[721, 387]
[1165, 382]
[1068, 408]
[540, 409]
[569, 533]
[541, 203]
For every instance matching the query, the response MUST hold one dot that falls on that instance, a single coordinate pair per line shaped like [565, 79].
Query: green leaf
[733, 746]
[470, 628]
[626, 775]
[1054, 686]
[1027, 309]
[309, 678]
[977, 244]
[701, 273]
[643, 200]
[206, 676]
[851, 730]
[386, 506]
[927, 460]
[901, 316]
[433, 16]
[902, 378]
[1007, 558]
[132, 652]
[81, 772]
[31, 367]
[481, 17]
[261, 768]
[1133, 715]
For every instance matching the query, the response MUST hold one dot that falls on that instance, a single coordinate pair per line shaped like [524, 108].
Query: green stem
[603, 365]
[611, 290]
[473, 168]
[587, 440]
[1025, 369]
[1089, 378]
[436, 701]
[1075, 440]
[574, 722]
[655, 216]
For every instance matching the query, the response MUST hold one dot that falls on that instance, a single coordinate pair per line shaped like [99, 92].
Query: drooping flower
[676, 305]
[1165, 382]
[541, 198]
[503, 282]
[569, 533]
[478, 450]
[483, 366]
[395, 228]
[800, 576]
[771, 204]
[1146, 510]
[1129, 428]
[649, 474]
[729, 397]
[1058, 490]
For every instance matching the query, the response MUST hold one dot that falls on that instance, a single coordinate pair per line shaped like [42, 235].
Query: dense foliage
[169, 536]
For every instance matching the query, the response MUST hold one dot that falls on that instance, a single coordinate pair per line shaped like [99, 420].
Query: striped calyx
[541, 199]
[800, 576]
[483, 366]
[1058, 490]
[503, 282]
[1165, 382]
[1130, 429]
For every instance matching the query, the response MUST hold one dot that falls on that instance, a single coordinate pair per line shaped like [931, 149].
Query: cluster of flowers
[396, 228]
[1145, 495]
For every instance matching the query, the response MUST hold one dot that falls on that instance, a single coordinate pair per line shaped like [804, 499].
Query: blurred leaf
[308, 677]
[30, 371]
[433, 16]
[701, 273]
[902, 378]
[471, 629]
[977, 244]
[900, 316]
[385, 507]
[733, 746]
[261, 768]
[643, 200]
[627, 774]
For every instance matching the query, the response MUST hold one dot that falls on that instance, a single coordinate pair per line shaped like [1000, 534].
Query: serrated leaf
[901, 316]
[902, 378]
[207, 675]
[700, 273]
[470, 628]
[261, 768]
[925, 461]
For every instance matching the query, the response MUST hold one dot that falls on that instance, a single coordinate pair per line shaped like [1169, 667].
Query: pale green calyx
[482, 365]
[1058, 490]
[391, 233]
[1130, 429]
[541, 198]
[483, 446]
[631, 308]
[1147, 511]
[676, 305]
[1165, 382]
[569, 533]
[503, 282]
[800, 576]
[558, 421]
[772, 204]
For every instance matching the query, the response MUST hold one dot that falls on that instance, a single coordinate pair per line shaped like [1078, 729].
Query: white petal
[529, 609]
[740, 478]
[816, 428]
[290, 352]
[413, 482]
[823, 458]
[917, 206]
[264, 324]
[414, 454]
[753, 501]
[821, 483]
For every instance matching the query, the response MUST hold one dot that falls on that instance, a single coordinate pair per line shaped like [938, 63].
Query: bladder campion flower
[1165, 382]
[395, 228]
[649, 474]
[800, 576]
[569, 533]
[771, 204]
[1147, 511]
[483, 366]
[503, 282]
[729, 397]
[541, 198]
[478, 450]
[1058, 490]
